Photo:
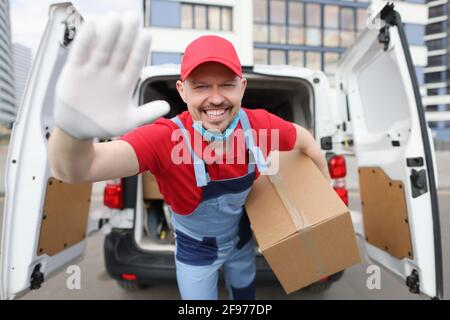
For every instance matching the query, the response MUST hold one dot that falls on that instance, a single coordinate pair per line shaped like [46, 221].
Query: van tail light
[113, 195]
[337, 167]
[128, 277]
[342, 193]
[338, 171]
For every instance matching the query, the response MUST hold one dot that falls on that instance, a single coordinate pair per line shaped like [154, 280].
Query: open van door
[45, 220]
[379, 93]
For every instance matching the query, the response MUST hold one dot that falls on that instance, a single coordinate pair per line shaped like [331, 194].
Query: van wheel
[131, 285]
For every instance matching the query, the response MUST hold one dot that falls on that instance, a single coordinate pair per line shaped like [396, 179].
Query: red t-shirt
[154, 143]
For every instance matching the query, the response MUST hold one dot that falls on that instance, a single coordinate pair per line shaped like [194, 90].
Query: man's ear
[181, 91]
[244, 86]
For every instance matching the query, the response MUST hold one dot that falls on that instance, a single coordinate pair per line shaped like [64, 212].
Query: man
[205, 191]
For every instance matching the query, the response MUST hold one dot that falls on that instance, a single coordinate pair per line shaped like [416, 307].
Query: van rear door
[395, 156]
[45, 220]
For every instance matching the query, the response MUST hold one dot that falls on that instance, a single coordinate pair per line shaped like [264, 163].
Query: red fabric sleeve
[152, 145]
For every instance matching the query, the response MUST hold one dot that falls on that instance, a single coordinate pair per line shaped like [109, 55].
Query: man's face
[213, 94]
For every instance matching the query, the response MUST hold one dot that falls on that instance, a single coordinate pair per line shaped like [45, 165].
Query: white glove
[94, 91]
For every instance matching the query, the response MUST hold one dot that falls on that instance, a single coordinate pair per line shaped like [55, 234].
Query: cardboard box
[150, 187]
[302, 227]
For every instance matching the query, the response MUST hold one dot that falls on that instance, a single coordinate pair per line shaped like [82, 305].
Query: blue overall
[217, 233]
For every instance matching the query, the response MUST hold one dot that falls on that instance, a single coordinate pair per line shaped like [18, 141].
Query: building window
[277, 57]
[313, 60]
[313, 18]
[296, 58]
[227, 19]
[331, 18]
[436, 11]
[200, 17]
[278, 28]
[260, 56]
[436, 44]
[278, 34]
[206, 17]
[278, 11]
[361, 19]
[348, 24]
[331, 25]
[260, 33]
[347, 18]
[296, 31]
[437, 27]
[435, 92]
[331, 38]
[214, 18]
[313, 37]
[434, 61]
[296, 35]
[296, 14]
[165, 14]
[330, 60]
[260, 11]
[165, 57]
[313, 15]
[433, 77]
[286, 28]
[187, 15]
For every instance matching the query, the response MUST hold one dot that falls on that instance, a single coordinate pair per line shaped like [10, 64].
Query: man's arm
[93, 98]
[74, 161]
[306, 143]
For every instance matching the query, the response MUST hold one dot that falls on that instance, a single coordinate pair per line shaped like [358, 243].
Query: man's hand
[94, 91]
[306, 143]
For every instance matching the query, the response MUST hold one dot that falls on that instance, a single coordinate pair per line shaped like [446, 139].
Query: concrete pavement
[96, 284]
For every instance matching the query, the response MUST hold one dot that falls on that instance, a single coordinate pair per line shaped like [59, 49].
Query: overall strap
[255, 151]
[199, 165]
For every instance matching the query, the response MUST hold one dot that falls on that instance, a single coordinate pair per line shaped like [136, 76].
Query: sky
[28, 17]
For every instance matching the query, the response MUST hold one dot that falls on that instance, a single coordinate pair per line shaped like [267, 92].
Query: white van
[378, 116]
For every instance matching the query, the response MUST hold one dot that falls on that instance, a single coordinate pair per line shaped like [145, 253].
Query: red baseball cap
[210, 49]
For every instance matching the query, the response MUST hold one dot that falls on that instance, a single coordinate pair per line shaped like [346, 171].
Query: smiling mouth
[215, 114]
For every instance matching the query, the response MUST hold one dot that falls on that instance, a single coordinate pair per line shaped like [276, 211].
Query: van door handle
[418, 182]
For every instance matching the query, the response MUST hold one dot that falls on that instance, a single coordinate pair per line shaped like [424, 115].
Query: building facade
[7, 94]
[308, 33]
[22, 58]
[174, 24]
[437, 74]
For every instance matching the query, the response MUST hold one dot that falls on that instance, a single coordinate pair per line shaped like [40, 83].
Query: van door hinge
[418, 182]
[413, 282]
[384, 37]
[70, 24]
[37, 278]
